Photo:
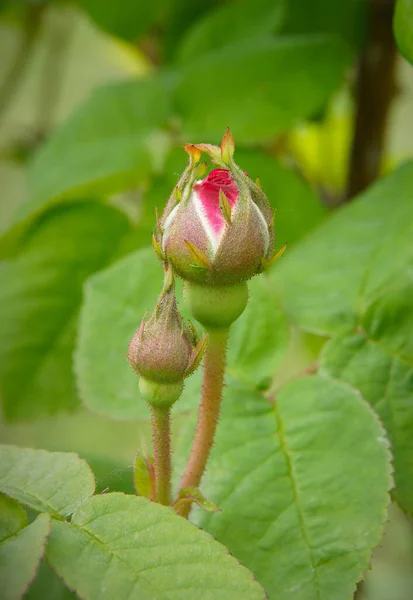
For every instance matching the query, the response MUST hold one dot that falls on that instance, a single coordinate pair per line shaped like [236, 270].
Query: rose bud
[216, 231]
[163, 351]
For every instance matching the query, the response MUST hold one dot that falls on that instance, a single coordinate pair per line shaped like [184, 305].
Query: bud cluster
[216, 232]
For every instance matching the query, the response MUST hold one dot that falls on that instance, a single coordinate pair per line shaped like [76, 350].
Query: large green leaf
[20, 556]
[40, 295]
[403, 27]
[386, 381]
[302, 485]
[122, 547]
[259, 88]
[115, 302]
[347, 268]
[230, 23]
[105, 146]
[46, 481]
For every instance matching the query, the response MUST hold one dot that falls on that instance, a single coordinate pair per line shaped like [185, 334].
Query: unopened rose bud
[217, 230]
[163, 351]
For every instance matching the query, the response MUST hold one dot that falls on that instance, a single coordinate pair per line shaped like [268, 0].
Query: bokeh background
[54, 55]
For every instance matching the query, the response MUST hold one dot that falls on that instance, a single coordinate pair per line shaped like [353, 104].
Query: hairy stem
[214, 365]
[161, 433]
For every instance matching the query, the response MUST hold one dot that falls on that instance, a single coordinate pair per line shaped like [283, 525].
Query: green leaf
[128, 547]
[328, 281]
[40, 295]
[12, 517]
[114, 305]
[260, 88]
[403, 28]
[386, 381]
[299, 209]
[20, 556]
[388, 317]
[259, 338]
[127, 19]
[230, 23]
[302, 485]
[105, 146]
[46, 481]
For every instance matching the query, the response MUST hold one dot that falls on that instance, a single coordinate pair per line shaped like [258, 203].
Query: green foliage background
[98, 106]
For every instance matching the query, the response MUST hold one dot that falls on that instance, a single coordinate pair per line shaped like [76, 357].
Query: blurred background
[55, 55]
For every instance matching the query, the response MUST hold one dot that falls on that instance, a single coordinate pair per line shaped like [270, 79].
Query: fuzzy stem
[161, 434]
[214, 365]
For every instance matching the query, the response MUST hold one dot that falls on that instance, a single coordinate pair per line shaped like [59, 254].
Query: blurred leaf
[20, 556]
[111, 475]
[351, 262]
[104, 147]
[12, 517]
[115, 302]
[180, 17]
[107, 144]
[386, 381]
[348, 18]
[48, 586]
[403, 28]
[229, 23]
[54, 482]
[40, 295]
[299, 209]
[259, 88]
[141, 561]
[302, 485]
[127, 19]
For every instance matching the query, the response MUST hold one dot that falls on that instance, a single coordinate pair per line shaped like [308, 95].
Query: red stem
[214, 365]
[161, 433]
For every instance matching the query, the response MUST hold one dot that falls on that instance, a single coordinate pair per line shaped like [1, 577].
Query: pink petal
[208, 193]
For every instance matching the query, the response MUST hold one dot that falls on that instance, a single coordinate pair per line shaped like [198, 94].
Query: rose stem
[214, 366]
[161, 434]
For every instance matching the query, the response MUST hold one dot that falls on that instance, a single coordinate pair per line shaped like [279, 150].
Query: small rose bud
[164, 350]
[217, 230]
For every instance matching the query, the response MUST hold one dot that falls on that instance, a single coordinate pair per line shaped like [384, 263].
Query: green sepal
[144, 475]
[194, 496]
[160, 395]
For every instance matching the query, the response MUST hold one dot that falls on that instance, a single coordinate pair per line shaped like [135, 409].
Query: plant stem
[214, 365]
[31, 25]
[161, 433]
[375, 89]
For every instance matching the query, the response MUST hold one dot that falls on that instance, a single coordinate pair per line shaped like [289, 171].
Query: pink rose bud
[164, 349]
[216, 230]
